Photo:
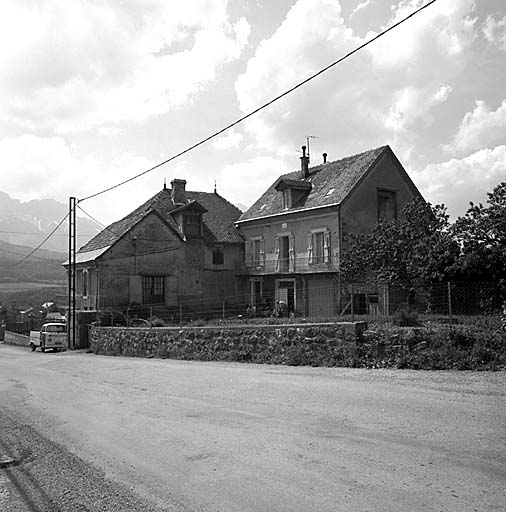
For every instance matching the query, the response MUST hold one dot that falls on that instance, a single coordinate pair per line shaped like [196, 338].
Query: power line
[265, 105]
[104, 227]
[40, 233]
[20, 254]
[43, 241]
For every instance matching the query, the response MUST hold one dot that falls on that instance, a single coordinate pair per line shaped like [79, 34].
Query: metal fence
[442, 302]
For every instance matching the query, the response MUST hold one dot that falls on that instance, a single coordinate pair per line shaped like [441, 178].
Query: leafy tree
[415, 249]
[481, 234]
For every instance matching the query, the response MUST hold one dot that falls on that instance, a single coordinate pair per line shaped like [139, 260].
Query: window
[192, 218]
[85, 283]
[192, 223]
[285, 253]
[387, 205]
[318, 247]
[286, 198]
[255, 252]
[153, 289]
[318, 250]
[218, 255]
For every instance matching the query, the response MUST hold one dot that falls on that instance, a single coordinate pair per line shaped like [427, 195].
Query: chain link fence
[447, 303]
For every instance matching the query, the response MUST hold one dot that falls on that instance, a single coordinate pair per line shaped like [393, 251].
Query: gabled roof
[331, 183]
[218, 216]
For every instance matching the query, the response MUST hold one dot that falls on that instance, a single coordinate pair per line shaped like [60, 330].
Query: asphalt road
[86, 432]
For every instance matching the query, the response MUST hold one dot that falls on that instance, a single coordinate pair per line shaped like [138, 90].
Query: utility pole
[71, 316]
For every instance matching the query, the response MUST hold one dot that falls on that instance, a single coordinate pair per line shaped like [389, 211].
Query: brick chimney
[178, 191]
[304, 163]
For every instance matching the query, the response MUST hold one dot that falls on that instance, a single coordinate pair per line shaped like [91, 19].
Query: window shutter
[326, 247]
[310, 249]
[248, 253]
[291, 253]
[276, 252]
[261, 263]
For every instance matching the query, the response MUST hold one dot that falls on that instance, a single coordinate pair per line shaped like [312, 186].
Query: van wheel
[33, 347]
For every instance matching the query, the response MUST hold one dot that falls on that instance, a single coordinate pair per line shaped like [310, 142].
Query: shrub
[405, 318]
[157, 322]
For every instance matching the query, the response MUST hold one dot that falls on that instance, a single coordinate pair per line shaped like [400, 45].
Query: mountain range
[28, 223]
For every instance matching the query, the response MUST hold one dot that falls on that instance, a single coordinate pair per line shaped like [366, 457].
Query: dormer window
[293, 192]
[189, 219]
[287, 199]
[192, 223]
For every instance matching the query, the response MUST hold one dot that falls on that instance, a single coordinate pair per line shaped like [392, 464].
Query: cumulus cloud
[376, 97]
[442, 30]
[480, 128]
[360, 7]
[257, 173]
[230, 140]
[458, 181]
[66, 66]
[494, 31]
[47, 167]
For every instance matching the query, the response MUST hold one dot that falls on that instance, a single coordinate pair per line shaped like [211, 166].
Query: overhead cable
[265, 105]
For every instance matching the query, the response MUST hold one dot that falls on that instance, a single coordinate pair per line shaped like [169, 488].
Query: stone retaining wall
[302, 344]
[12, 338]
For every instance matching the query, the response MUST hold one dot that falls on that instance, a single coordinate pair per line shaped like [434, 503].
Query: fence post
[351, 303]
[150, 316]
[180, 313]
[450, 304]
[223, 311]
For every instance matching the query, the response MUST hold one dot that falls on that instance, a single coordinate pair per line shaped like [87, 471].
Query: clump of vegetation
[157, 322]
[406, 318]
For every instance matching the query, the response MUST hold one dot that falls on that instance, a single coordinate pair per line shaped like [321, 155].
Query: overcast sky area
[93, 92]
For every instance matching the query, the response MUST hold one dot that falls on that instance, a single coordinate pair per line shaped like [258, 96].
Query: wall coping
[239, 326]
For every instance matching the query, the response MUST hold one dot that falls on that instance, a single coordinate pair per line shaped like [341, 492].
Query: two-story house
[294, 233]
[180, 248]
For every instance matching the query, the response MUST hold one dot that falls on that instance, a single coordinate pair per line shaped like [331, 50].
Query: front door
[285, 293]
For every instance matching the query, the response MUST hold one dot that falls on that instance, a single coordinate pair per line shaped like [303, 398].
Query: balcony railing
[288, 266]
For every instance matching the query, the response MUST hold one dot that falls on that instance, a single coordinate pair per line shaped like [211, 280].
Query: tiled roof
[330, 184]
[218, 220]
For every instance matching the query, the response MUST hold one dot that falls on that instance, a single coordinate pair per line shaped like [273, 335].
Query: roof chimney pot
[304, 163]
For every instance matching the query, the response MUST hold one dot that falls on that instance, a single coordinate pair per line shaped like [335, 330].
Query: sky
[93, 92]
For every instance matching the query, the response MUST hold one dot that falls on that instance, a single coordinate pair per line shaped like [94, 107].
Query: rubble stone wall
[300, 344]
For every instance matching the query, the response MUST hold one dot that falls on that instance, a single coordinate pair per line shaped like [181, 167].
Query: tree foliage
[415, 249]
[481, 234]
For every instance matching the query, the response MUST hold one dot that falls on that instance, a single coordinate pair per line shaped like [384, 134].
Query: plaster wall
[360, 210]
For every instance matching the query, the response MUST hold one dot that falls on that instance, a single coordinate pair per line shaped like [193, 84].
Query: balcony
[288, 266]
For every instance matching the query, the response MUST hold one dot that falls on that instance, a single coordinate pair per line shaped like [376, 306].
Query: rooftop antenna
[215, 186]
[307, 140]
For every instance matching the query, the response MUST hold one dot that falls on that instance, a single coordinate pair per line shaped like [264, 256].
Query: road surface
[87, 432]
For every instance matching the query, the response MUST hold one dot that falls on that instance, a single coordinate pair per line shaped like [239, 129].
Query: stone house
[295, 233]
[180, 248]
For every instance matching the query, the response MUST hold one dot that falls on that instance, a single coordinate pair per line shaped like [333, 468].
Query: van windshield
[56, 328]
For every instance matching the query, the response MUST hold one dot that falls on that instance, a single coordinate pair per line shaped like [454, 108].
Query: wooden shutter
[248, 252]
[261, 262]
[291, 253]
[276, 253]
[310, 249]
[326, 247]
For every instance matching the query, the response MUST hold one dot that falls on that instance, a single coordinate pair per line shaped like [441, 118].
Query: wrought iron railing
[289, 265]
